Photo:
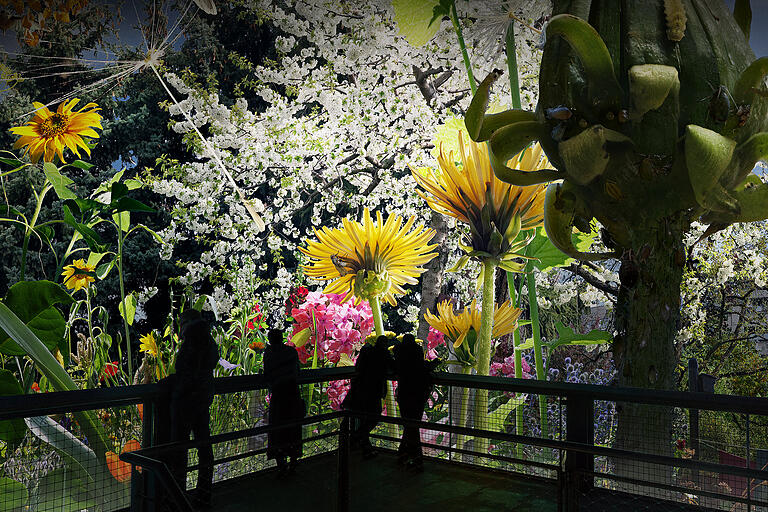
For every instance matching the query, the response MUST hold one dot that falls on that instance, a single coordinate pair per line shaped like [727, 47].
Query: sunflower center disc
[55, 125]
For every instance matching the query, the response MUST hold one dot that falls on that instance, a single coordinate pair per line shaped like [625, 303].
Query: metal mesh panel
[70, 461]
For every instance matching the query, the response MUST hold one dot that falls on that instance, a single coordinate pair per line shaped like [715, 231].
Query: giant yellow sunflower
[462, 328]
[76, 276]
[495, 211]
[370, 260]
[48, 133]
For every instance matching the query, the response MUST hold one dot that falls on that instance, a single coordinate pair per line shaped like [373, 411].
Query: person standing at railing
[414, 384]
[367, 390]
[191, 398]
[281, 371]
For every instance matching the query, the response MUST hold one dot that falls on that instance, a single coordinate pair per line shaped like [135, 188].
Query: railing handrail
[19, 406]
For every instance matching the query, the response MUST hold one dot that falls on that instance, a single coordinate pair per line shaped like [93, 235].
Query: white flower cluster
[344, 119]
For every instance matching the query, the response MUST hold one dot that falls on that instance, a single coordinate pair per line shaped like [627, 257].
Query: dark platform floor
[380, 484]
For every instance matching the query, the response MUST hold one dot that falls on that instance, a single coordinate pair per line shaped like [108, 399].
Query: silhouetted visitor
[367, 390]
[414, 384]
[191, 398]
[281, 370]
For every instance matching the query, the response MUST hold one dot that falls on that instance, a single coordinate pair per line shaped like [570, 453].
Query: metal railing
[566, 457]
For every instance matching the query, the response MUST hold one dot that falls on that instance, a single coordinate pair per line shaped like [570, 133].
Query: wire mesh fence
[69, 461]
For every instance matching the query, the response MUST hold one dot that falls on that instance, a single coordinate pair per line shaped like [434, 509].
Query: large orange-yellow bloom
[48, 133]
[370, 259]
[494, 210]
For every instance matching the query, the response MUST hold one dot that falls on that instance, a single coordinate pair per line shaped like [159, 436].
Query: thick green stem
[514, 300]
[120, 240]
[483, 351]
[389, 399]
[464, 407]
[538, 350]
[463, 46]
[514, 84]
[30, 228]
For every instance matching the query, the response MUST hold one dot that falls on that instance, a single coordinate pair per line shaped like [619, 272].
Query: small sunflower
[149, 344]
[495, 211]
[462, 328]
[370, 259]
[48, 133]
[76, 276]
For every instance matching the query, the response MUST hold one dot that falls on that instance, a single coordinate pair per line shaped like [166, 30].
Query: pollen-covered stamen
[55, 125]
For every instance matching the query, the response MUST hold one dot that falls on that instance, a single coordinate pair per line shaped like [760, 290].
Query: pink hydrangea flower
[434, 339]
[336, 328]
[507, 368]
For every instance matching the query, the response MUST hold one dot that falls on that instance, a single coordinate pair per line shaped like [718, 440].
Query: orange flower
[119, 469]
[140, 407]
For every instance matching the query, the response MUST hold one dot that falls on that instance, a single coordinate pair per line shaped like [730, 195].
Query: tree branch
[583, 273]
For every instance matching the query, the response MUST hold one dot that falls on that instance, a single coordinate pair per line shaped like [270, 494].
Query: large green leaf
[499, 415]
[567, 336]
[11, 431]
[60, 182]
[34, 303]
[62, 491]
[548, 256]
[127, 308]
[413, 18]
[78, 456]
[52, 370]
[13, 495]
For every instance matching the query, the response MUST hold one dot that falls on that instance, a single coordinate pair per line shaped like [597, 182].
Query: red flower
[110, 370]
[35, 387]
[250, 325]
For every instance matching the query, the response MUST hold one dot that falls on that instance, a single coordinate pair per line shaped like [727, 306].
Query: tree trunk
[647, 320]
[432, 279]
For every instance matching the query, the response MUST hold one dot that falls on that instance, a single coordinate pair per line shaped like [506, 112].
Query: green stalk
[538, 349]
[28, 232]
[514, 85]
[120, 240]
[389, 399]
[463, 46]
[483, 351]
[514, 300]
[460, 440]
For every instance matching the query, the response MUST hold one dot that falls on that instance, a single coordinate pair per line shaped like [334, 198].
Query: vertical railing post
[450, 422]
[343, 491]
[579, 428]
[693, 416]
[749, 480]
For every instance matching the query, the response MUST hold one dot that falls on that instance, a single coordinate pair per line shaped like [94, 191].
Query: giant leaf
[52, 370]
[567, 336]
[12, 431]
[61, 490]
[499, 415]
[76, 454]
[413, 18]
[60, 182]
[127, 308]
[13, 495]
[34, 303]
[548, 256]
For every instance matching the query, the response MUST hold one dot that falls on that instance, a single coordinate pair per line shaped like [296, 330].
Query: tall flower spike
[370, 259]
[48, 133]
[495, 211]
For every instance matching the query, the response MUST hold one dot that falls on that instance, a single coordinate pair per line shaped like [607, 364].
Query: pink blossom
[434, 339]
[507, 368]
[336, 328]
[337, 391]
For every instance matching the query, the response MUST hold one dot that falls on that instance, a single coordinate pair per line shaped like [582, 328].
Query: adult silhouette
[414, 383]
[191, 398]
[281, 370]
[367, 390]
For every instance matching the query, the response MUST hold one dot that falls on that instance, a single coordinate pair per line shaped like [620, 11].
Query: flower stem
[483, 352]
[31, 226]
[514, 299]
[120, 240]
[462, 419]
[463, 46]
[538, 349]
[514, 84]
[389, 399]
